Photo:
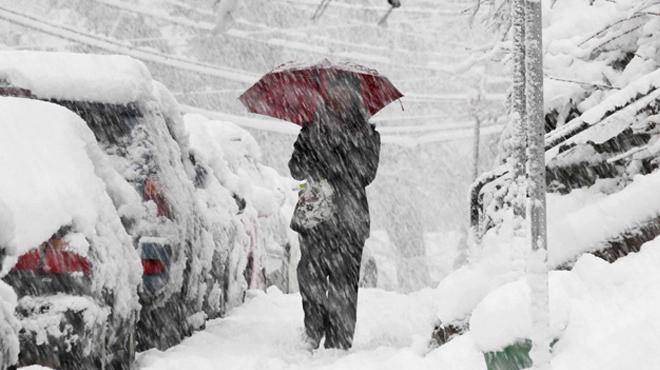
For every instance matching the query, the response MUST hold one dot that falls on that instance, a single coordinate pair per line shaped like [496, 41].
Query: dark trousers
[328, 276]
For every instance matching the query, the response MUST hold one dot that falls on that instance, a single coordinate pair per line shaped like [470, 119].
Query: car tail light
[64, 261]
[52, 261]
[153, 267]
[29, 261]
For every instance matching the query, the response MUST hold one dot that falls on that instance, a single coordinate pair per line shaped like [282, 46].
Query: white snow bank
[577, 223]
[586, 228]
[606, 316]
[498, 262]
[115, 79]
[265, 333]
[504, 316]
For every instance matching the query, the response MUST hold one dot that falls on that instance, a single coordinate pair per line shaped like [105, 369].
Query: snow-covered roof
[113, 79]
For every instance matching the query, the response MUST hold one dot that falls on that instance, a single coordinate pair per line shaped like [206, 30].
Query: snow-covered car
[137, 124]
[265, 248]
[202, 241]
[72, 264]
[118, 100]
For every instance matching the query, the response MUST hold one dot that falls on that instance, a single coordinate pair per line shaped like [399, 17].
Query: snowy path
[392, 333]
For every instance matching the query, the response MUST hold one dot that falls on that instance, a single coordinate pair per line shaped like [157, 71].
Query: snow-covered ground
[393, 332]
[600, 56]
[605, 316]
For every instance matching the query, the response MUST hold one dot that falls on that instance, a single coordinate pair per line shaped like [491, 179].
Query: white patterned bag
[315, 205]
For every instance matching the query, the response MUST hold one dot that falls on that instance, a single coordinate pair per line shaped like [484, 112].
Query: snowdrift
[609, 309]
[601, 94]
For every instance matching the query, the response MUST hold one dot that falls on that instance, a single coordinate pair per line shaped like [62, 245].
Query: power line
[286, 128]
[114, 46]
[209, 13]
[352, 6]
[292, 45]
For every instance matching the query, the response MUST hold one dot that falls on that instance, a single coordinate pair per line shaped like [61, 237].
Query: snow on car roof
[49, 177]
[113, 79]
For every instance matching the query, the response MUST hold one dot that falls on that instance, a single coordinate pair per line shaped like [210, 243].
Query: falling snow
[482, 176]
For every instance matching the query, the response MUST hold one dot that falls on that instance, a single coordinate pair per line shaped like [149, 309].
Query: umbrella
[291, 91]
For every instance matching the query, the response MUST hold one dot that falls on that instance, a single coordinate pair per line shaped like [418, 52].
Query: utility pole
[537, 269]
[468, 236]
[475, 108]
[519, 110]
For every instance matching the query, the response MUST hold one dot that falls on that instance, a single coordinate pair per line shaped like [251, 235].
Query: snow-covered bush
[601, 96]
[593, 49]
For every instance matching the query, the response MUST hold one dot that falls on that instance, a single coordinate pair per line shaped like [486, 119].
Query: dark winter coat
[344, 150]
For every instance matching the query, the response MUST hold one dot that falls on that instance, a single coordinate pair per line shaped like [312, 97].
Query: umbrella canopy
[292, 91]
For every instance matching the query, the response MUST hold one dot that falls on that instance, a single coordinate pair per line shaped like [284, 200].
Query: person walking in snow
[337, 155]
